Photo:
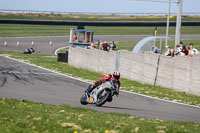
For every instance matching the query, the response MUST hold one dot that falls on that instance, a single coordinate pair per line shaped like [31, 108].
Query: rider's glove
[103, 81]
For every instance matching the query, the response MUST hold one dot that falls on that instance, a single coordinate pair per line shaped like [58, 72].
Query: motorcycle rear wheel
[102, 99]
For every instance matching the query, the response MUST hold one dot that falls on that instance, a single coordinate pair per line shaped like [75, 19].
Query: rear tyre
[101, 99]
[109, 99]
[83, 99]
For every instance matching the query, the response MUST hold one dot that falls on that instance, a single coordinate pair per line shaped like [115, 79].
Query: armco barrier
[35, 22]
[180, 73]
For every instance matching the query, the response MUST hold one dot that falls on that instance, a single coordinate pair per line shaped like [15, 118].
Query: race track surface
[23, 81]
[41, 44]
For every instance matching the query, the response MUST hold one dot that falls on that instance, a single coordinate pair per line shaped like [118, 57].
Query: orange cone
[50, 43]
[32, 44]
[17, 44]
[5, 43]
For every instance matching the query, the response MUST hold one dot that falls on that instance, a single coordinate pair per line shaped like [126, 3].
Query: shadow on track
[121, 108]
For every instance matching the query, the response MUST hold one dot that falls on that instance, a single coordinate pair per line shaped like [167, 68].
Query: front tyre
[83, 99]
[101, 99]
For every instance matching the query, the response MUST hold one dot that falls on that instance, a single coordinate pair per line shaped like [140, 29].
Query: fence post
[157, 67]
[117, 61]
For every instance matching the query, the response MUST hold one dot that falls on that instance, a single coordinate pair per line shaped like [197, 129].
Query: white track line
[35, 37]
[90, 82]
[160, 99]
[60, 49]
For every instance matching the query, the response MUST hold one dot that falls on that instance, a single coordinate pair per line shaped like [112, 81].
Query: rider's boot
[87, 92]
[89, 89]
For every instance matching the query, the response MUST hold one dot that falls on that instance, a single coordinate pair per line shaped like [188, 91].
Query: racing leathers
[107, 77]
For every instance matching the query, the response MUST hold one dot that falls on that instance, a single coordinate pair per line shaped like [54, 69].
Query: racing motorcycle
[101, 94]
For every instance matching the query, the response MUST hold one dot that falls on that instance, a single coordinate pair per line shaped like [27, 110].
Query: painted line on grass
[82, 80]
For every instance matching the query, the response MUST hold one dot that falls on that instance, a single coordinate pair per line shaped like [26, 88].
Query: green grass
[22, 30]
[31, 117]
[18, 30]
[65, 68]
[131, 44]
[126, 45]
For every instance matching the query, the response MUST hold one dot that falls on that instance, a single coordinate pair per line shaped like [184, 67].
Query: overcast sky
[100, 6]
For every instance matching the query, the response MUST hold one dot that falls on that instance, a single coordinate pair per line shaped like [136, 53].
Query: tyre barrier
[63, 57]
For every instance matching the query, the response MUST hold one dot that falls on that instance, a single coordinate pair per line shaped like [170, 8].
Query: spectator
[74, 37]
[156, 49]
[192, 50]
[92, 45]
[105, 46]
[179, 50]
[112, 45]
[184, 51]
[169, 51]
[182, 45]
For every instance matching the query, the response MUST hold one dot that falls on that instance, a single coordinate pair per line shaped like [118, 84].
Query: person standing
[74, 37]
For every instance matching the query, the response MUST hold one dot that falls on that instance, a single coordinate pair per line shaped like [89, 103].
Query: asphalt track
[23, 81]
[41, 44]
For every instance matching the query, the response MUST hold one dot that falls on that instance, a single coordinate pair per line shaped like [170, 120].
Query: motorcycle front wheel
[83, 99]
[101, 99]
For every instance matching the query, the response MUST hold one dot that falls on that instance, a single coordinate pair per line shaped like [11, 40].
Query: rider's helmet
[116, 75]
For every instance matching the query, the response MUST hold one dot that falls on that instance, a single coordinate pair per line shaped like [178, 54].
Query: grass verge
[65, 68]
[130, 45]
[26, 116]
[23, 30]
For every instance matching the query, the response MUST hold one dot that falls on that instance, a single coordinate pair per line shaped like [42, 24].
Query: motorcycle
[101, 94]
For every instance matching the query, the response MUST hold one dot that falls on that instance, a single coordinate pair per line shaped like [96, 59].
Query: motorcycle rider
[115, 76]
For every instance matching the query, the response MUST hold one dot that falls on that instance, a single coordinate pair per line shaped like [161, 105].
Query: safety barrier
[162, 24]
[180, 73]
